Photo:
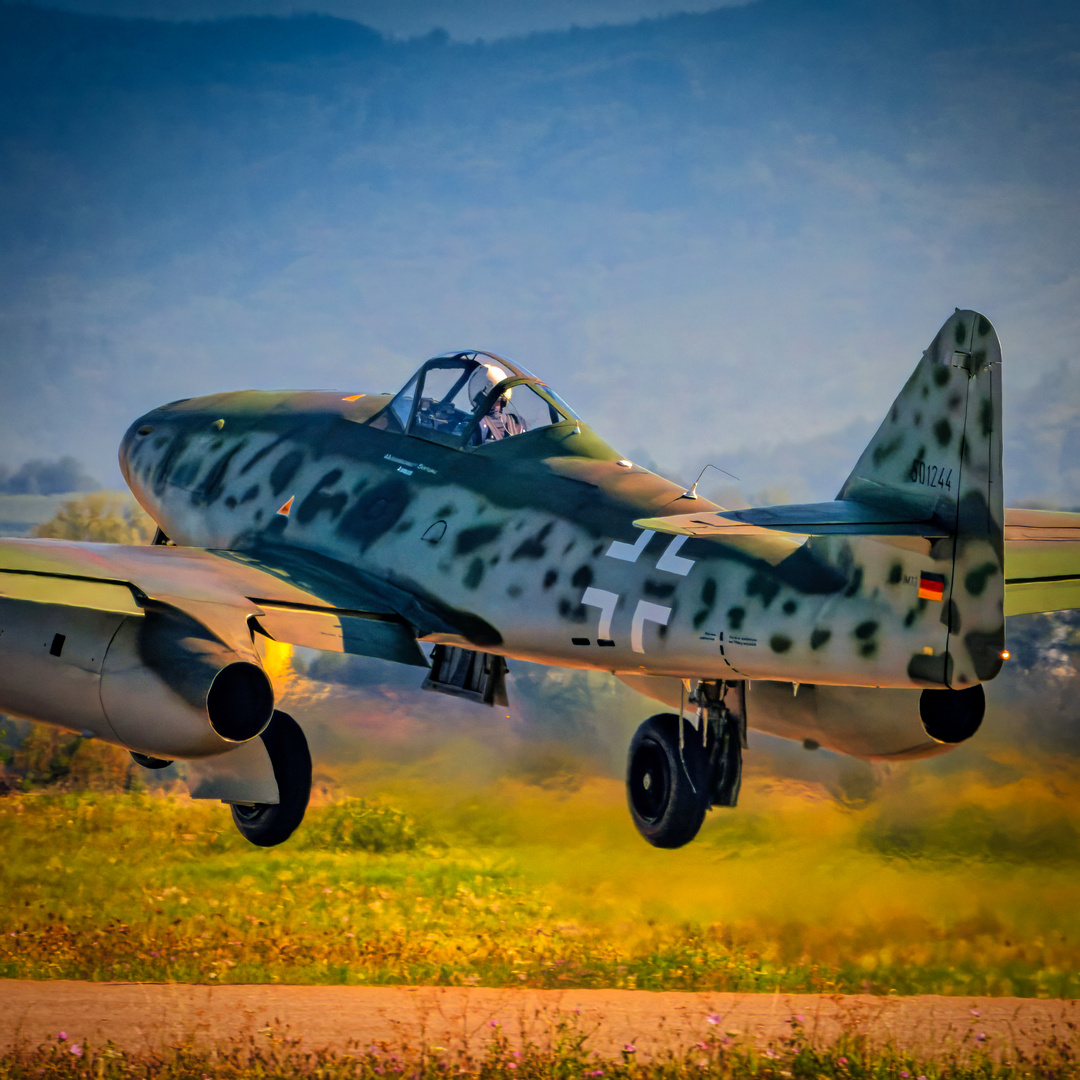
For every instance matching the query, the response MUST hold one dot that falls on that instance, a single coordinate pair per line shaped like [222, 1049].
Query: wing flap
[357, 633]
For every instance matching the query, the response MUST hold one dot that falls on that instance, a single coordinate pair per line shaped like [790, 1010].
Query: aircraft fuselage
[527, 546]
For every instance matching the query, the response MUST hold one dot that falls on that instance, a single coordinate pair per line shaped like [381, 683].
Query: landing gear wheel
[666, 807]
[268, 824]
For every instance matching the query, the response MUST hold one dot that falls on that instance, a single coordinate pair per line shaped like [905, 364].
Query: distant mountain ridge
[711, 232]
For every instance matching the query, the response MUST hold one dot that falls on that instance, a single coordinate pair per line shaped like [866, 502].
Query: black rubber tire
[268, 824]
[951, 716]
[666, 809]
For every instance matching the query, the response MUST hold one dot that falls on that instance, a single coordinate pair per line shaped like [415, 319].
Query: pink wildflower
[629, 1048]
[712, 1018]
[61, 1035]
[981, 1037]
[76, 1049]
[841, 1061]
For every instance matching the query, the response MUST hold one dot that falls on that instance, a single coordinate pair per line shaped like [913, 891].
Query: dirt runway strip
[140, 1017]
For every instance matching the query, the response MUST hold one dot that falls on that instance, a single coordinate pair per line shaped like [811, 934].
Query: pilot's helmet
[483, 379]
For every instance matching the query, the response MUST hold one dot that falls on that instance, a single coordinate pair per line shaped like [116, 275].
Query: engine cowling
[160, 683]
[952, 716]
[171, 688]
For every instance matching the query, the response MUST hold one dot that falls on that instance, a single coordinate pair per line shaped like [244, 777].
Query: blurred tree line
[36, 756]
[104, 517]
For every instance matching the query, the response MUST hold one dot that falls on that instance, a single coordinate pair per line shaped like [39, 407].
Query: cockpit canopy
[466, 399]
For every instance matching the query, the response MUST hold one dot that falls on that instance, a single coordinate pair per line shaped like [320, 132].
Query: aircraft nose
[130, 445]
[141, 448]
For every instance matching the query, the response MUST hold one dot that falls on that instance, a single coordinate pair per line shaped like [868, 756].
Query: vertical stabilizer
[937, 456]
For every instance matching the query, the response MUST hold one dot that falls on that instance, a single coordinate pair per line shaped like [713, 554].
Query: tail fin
[937, 456]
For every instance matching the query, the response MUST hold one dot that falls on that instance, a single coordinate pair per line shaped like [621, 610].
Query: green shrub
[358, 825]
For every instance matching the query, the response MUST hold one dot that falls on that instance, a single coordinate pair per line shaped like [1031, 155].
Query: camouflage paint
[528, 546]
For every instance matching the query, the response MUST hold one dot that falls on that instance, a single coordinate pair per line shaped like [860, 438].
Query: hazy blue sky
[714, 233]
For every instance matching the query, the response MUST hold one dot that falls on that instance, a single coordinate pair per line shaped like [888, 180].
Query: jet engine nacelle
[159, 683]
[952, 716]
[170, 688]
[860, 721]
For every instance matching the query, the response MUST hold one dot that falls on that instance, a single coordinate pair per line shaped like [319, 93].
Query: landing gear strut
[677, 769]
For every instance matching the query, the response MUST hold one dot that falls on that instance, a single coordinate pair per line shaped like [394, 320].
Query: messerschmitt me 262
[476, 511]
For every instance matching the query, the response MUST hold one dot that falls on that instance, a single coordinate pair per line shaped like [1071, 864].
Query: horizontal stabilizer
[810, 519]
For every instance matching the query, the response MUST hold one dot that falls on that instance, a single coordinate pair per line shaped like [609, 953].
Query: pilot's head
[483, 379]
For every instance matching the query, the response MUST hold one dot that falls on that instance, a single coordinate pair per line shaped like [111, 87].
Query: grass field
[945, 884]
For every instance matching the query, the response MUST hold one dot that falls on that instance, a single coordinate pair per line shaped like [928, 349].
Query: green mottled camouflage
[547, 546]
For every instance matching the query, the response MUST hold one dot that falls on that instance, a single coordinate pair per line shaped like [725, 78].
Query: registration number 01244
[931, 475]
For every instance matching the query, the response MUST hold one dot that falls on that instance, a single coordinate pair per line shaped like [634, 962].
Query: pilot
[498, 423]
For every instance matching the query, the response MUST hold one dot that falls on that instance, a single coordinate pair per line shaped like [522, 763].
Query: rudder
[937, 457]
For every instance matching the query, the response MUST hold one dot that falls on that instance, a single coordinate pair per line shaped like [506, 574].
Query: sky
[724, 236]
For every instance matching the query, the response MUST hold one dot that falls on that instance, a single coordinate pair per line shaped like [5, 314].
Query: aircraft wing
[231, 595]
[1042, 561]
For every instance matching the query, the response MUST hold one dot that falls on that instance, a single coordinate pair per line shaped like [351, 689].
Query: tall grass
[563, 1054]
[953, 886]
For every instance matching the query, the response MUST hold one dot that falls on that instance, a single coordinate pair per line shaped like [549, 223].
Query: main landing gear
[677, 769]
[268, 824]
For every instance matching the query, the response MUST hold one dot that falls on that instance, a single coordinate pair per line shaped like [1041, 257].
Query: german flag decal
[931, 586]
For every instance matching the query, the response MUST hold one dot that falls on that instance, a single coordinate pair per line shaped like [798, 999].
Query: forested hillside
[713, 233]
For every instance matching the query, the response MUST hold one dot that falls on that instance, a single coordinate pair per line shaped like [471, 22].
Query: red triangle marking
[287, 508]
